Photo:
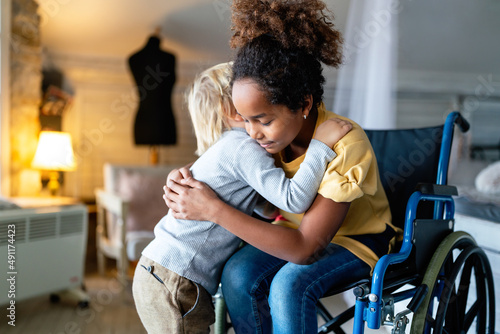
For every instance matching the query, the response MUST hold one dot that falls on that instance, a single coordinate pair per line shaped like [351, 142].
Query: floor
[111, 310]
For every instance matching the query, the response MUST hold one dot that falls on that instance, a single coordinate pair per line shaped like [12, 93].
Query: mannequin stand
[154, 155]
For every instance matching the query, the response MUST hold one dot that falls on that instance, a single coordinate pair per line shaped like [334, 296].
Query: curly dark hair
[281, 46]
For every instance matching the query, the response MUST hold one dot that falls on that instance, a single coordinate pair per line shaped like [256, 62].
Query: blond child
[181, 268]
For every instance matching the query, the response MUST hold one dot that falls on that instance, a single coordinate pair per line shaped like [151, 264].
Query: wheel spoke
[481, 293]
[463, 288]
[430, 322]
[452, 316]
[449, 309]
[473, 312]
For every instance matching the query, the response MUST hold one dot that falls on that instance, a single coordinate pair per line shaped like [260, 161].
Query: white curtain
[365, 89]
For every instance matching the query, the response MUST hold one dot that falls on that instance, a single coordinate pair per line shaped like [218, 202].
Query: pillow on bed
[488, 180]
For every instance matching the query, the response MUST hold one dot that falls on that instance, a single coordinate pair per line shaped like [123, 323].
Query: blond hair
[209, 104]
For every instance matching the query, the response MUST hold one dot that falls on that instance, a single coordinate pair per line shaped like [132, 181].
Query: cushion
[463, 172]
[144, 192]
[488, 179]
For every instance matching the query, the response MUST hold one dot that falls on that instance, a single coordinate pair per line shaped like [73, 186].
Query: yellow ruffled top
[352, 176]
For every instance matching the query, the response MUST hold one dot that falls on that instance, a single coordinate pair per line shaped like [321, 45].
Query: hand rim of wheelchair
[471, 256]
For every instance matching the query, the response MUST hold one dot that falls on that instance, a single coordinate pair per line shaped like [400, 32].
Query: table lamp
[54, 153]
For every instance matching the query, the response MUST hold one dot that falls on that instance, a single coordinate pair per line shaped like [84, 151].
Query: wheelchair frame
[439, 304]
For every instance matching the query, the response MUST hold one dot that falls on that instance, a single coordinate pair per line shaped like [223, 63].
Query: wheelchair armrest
[437, 189]
[404, 252]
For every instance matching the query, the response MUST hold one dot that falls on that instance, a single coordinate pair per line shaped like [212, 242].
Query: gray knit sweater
[237, 169]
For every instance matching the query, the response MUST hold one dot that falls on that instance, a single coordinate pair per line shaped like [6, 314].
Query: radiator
[42, 251]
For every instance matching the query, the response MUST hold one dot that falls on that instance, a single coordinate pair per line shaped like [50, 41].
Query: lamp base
[53, 184]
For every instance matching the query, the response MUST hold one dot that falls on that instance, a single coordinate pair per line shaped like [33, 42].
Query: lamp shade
[54, 152]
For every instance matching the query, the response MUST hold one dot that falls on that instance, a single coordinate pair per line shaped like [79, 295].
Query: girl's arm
[194, 200]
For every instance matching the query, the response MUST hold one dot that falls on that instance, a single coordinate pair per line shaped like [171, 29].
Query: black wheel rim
[453, 315]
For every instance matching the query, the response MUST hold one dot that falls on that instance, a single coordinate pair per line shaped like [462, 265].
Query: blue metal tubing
[373, 317]
[444, 157]
[362, 306]
[359, 321]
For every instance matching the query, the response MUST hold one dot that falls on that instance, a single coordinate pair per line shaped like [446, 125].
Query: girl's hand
[191, 199]
[330, 131]
[176, 175]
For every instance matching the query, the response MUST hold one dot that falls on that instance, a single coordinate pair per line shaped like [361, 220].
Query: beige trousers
[169, 303]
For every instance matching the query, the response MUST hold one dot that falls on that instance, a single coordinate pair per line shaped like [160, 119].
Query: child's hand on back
[330, 131]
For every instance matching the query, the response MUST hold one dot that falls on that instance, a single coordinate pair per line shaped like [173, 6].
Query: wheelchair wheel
[453, 305]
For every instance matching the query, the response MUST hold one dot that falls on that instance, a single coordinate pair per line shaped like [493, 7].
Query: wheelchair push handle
[453, 118]
[462, 123]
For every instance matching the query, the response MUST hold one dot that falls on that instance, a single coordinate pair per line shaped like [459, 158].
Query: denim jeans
[265, 294]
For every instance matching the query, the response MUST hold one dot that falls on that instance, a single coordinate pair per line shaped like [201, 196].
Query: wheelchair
[444, 275]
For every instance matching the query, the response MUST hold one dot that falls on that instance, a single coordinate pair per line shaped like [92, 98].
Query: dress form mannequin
[154, 74]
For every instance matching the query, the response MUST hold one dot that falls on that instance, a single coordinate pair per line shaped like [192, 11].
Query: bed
[477, 209]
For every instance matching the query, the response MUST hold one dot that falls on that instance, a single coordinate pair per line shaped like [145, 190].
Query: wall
[25, 95]
[424, 98]
[4, 97]
[105, 100]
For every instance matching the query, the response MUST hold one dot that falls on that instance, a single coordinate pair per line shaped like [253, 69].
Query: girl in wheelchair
[273, 283]
[181, 268]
